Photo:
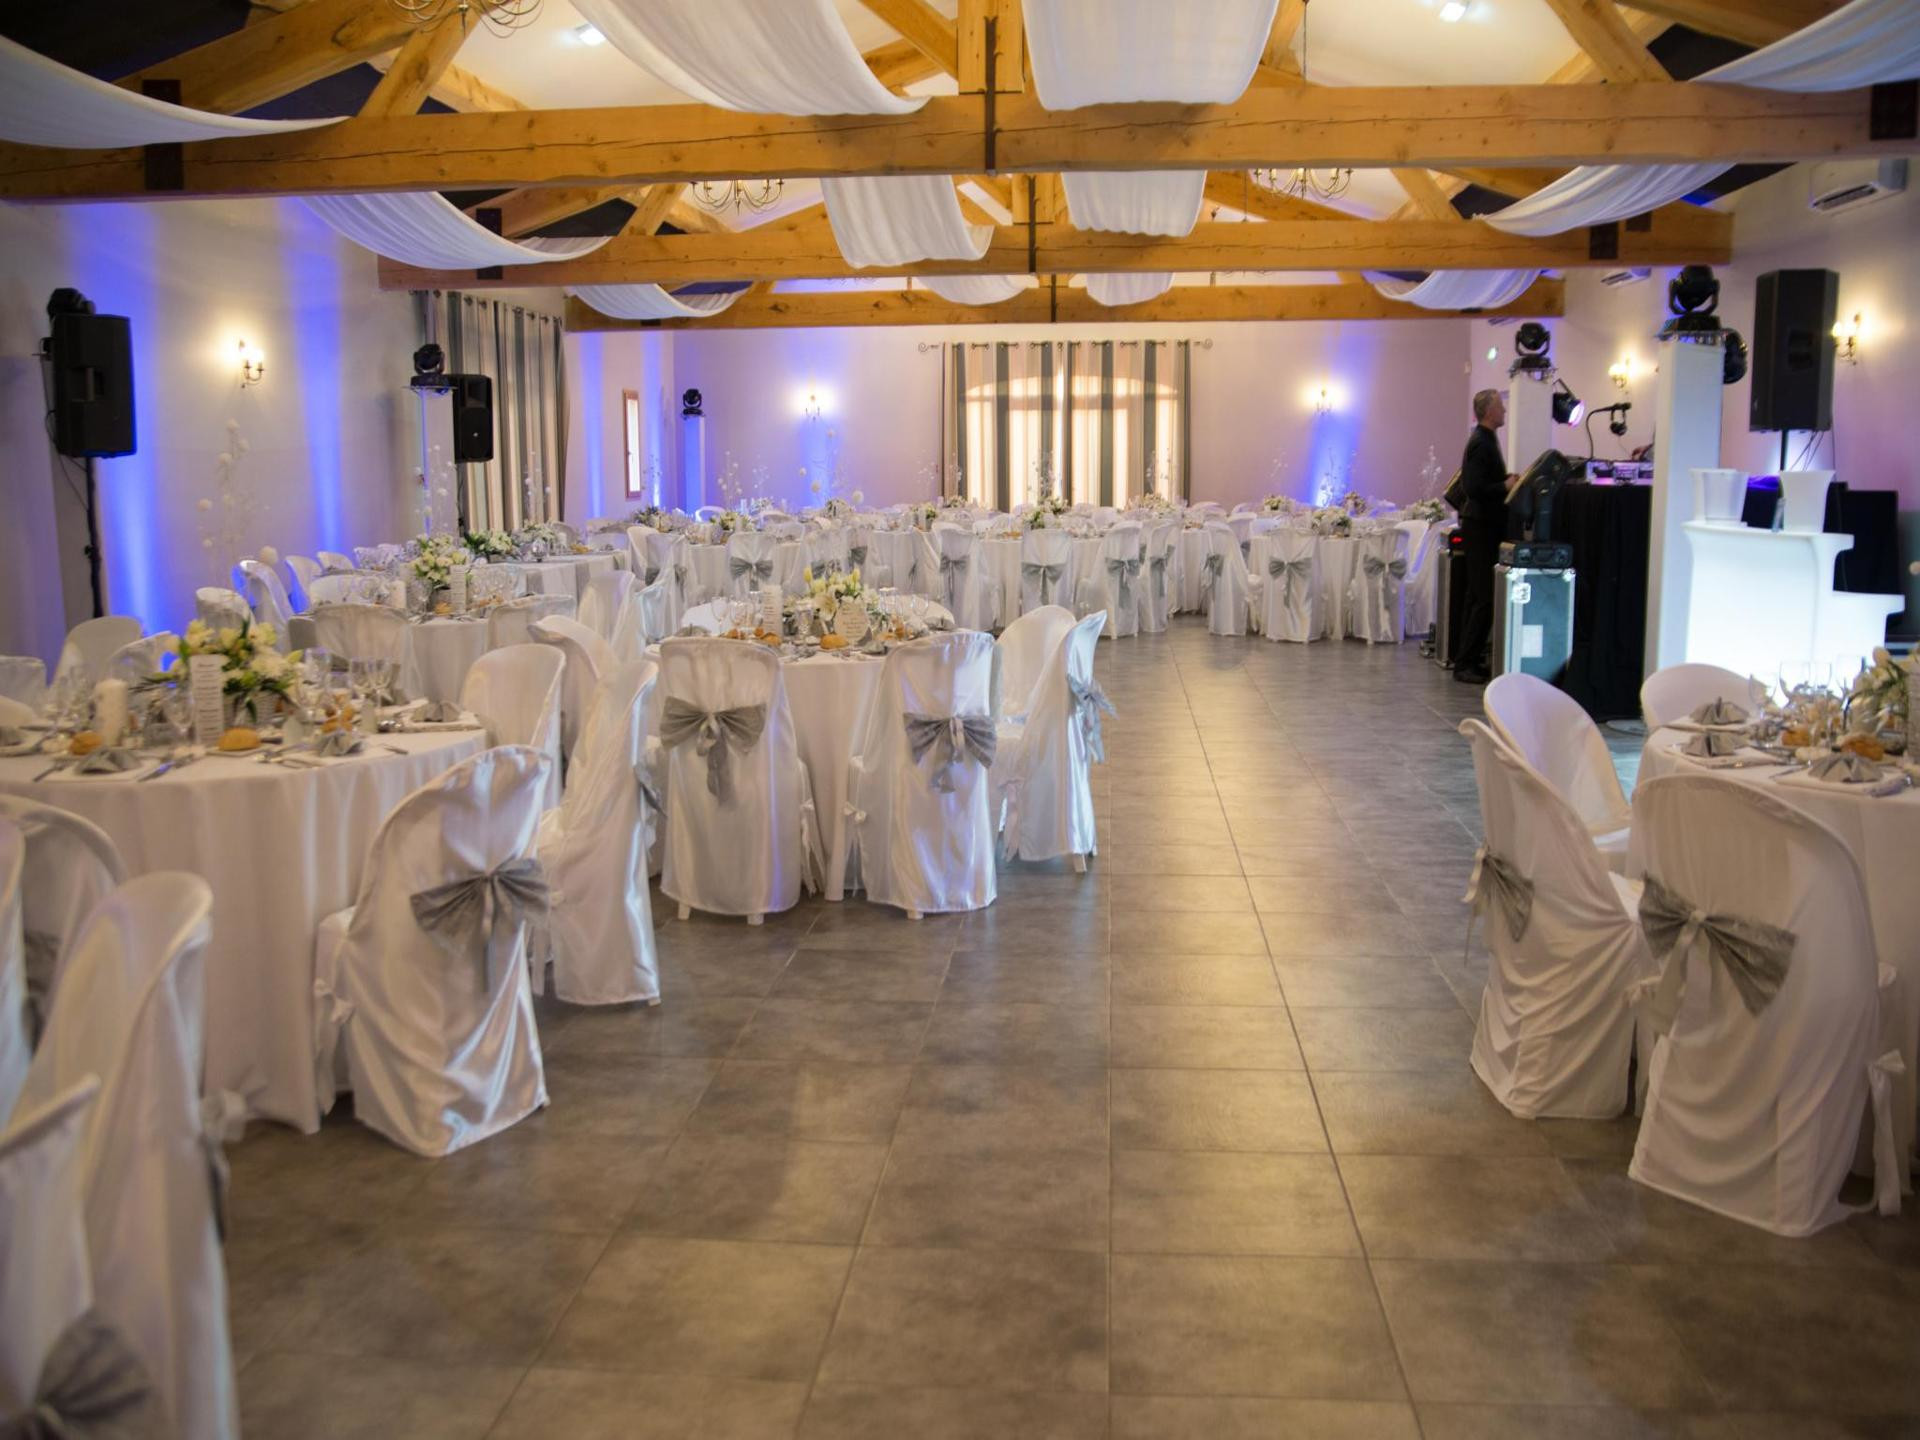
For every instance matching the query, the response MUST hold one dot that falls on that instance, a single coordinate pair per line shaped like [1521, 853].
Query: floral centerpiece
[1331, 522]
[728, 521]
[653, 517]
[830, 592]
[923, 515]
[435, 559]
[1881, 700]
[1154, 501]
[539, 534]
[489, 544]
[255, 673]
[1280, 505]
[1434, 511]
[837, 508]
[1355, 504]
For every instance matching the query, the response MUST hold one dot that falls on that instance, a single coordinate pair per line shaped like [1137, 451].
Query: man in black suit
[1483, 474]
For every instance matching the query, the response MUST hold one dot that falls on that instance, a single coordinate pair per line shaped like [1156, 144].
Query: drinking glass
[360, 680]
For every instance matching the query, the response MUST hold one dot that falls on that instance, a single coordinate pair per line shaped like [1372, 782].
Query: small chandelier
[1304, 183]
[720, 196]
[502, 17]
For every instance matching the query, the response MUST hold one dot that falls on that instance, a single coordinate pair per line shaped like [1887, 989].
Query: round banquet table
[1884, 836]
[282, 848]
[1002, 561]
[564, 574]
[440, 651]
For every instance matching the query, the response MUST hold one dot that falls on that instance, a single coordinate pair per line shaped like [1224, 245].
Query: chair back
[221, 608]
[959, 581]
[305, 570]
[23, 679]
[144, 657]
[1557, 738]
[600, 606]
[71, 866]
[511, 621]
[1049, 810]
[1674, 692]
[1291, 603]
[332, 560]
[131, 1012]
[362, 632]
[707, 514]
[755, 549]
[1022, 654]
[1379, 604]
[91, 643]
[638, 559]
[569, 534]
[515, 691]
[588, 657]
[265, 592]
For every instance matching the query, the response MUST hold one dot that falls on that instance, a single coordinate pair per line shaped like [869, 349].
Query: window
[630, 430]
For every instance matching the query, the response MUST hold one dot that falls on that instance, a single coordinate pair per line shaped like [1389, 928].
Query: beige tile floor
[1184, 1147]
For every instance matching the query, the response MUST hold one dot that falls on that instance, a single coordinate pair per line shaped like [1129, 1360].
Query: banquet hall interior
[960, 718]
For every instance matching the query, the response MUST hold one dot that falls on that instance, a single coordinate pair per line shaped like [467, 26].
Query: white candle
[110, 710]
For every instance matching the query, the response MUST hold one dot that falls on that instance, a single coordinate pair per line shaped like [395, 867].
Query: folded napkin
[12, 735]
[1719, 712]
[1845, 769]
[108, 760]
[338, 742]
[1709, 746]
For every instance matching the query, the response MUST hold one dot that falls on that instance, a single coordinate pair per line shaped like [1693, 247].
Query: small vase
[1803, 499]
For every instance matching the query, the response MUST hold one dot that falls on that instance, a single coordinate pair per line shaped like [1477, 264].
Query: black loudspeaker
[92, 362]
[1792, 352]
[472, 417]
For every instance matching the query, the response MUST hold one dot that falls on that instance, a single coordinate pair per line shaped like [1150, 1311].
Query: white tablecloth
[1884, 836]
[282, 849]
[439, 654]
[565, 574]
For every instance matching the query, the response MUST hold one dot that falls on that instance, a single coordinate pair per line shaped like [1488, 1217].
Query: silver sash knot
[1089, 703]
[92, 1386]
[953, 569]
[1047, 576]
[1755, 955]
[1157, 575]
[1375, 566]
[1123, 573]
[466, 915]
[643, 777]
[652, 574]
[857, 556]
[1496, 882]
[1286, 572]
[954, 738]
[761, 570]
[714, 734]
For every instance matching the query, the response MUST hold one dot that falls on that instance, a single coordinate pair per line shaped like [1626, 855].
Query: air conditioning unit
[1632, 276]
[1839, 184]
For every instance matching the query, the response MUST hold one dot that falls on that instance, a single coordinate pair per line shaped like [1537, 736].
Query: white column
[1529, 420]
[693, 462]
[1686, 411]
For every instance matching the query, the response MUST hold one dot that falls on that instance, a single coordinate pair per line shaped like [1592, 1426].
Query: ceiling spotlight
[1568, 408]
[1530, 344]
[588, 36]
[1453, 12]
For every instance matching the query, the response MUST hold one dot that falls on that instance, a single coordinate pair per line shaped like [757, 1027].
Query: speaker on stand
[89, 375]
[1792, 356]
[472, 418]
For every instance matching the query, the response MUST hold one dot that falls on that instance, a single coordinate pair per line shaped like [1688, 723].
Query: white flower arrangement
[1154, 501]
[1434, 511]
[250, 666]
[1878, 699]
[1356, 504]
[1280, 505]
[489, 544]
[1332, 522]
[539, 533]
[830, 592]
[837, 508]
[1038, 517]
[924, 514]
[437, 558]
[729, 521]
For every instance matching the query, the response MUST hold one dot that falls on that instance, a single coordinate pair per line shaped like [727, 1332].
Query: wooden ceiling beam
[1278, 64]
[281, 54]
[771, 253]
[651, 209]
[1236, 191]
[1517, 183]
[1184, 304]
[1009, 46]
[1365, 127]
[1599, 29]
[1426, 195]
[898, 64]
[1582, 69]
[1750, 22]
[459, 90]
[418, 67]
[922, 27]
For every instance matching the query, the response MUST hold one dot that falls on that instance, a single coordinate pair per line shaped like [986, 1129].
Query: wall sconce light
[813, 405]
[253, 365]
[1621, 373]
[1847, 337]
[1323, 397]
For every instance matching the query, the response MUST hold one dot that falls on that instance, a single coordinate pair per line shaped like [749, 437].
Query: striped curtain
[521, 351]
[1108, 420]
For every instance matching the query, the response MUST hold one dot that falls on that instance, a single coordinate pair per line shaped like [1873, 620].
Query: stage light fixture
[1567, 407]
[1530, 344]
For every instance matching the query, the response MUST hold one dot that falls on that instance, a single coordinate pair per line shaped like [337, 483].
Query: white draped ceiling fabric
[1868, 42]
[900, 219]
[769, 57]
[432, 232]
[1131, 287]
[1099, 52]
[45, 103]
[975, 289]
[1458, 289]
[650, 302]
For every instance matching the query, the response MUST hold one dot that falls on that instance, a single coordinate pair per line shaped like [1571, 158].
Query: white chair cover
[1377, 598]
[588, 658]
[744, 851]
[131, 1012]
[1226, 589]
[1676, 691]
[221, 608]
[511, 621]
[630, 637]
[639, 557]
[1292, 607]
[1049, 798]
[1021, 656]
[594, 852]
[71, 866]
[963, 585]
[266, 593]
[305, 570]
[1554, 1034]
[46, 1284]
[1046, 569]
[1241, 523]
[16, 1028]
[752, 561]
[1422, 592]
[515, 691]
[600, 606]
[1118, 581]
[362, 632]
[23, 679]
[1160, 575]
[668, 559]
[436, 1025]
[1758, 1116]
[923, 569]
[144, 657]
[334, 560]
[91, 643]
[924, 826]
[1557, 738]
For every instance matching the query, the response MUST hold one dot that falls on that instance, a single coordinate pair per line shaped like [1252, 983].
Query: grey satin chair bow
[1048, 576]
[1089, 703]
[465, 914]
[652, 574]
[92, 1386]
[42, 956]
[954, 737]
[1374, 565]
[857, 556]
[1496, 882]
[714, 734]
[643, 777]
[1157, 577]
[1755, 955]
[1287, 571]
[953, 569]
[1123, 573]
[761, 569]
[1214, 567]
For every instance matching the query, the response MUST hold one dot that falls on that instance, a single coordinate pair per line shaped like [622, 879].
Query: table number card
[770, 609]
[207, 684]
[850, 623]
